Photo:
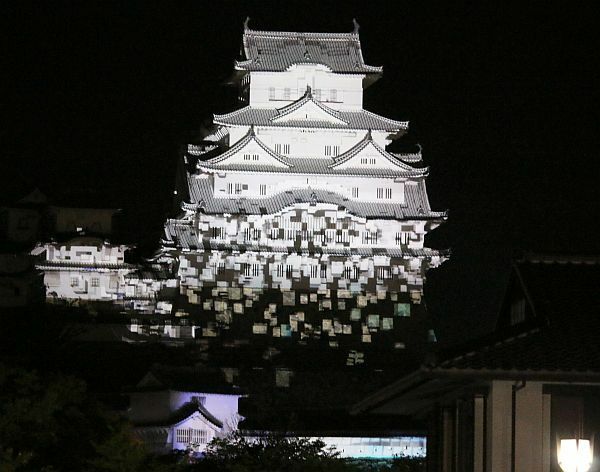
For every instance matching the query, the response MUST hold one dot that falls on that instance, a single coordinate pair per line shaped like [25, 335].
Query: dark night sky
[98, 96]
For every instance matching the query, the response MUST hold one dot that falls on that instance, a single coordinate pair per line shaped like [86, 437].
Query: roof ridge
[306, 98]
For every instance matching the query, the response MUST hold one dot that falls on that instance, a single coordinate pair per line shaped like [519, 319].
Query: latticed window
[263, 189]
[74, 282]
[95, 282]
[191, 436]
[354, 192]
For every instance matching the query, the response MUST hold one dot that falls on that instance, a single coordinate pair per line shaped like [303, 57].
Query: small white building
[183, 409]
[84, 268]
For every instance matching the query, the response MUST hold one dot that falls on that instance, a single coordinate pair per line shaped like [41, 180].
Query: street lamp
[575, 455]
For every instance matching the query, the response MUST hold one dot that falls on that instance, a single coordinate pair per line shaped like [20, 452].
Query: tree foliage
[236, 453]
[50, 423]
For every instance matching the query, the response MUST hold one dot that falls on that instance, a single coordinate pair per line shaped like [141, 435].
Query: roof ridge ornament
[356, 26]
[246, 21]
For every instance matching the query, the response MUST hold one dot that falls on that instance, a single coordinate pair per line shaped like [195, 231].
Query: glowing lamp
[575, 455]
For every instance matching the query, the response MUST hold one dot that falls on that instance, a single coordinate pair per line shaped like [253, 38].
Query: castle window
[323, 271]
[383, 273]
[336, 150]
[271, 93]
[328, 150]
[238, 188]
[246, 157]
[74, 282]
[286, 149]
[191, 436]
[314, 271]
[364, 160]
[279, 270]
[370, 237]
[278, 148]
[347, 272]
[372, 160]
[95, 282]
[354, 192]
[263, 189]
[229, 188]
[255, 157]
[288, 271]
[384, 193]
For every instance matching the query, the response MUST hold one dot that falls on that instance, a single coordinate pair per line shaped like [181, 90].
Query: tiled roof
[313, 165]
[416, 206]
[68, 265]
[351, 120]
[183, 413]
[303, 101]
[250, 136]
[368, 140]
[187, 379]
[183, 235]
[567, 304]
[278, 50]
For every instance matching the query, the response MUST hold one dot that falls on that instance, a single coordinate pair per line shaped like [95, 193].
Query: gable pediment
[249, 151]
[309, 111]
[369, 156]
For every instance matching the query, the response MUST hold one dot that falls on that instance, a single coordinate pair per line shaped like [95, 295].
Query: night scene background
[99, 96]
[99, 99]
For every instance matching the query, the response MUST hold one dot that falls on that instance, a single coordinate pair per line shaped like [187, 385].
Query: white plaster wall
[348, 87]
[91, 254]
[195, 422]
[306, 142]
[111, 283]
[285, 227]
[277, 183]
[221, 406]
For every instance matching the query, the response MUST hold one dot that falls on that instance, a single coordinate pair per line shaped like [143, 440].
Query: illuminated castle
[294, 194]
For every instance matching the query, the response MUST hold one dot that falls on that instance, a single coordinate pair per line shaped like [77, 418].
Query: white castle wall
[353, 188]
[277, 89]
